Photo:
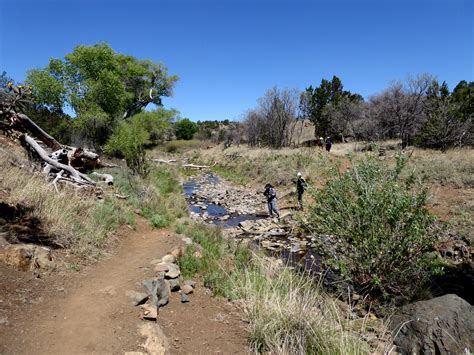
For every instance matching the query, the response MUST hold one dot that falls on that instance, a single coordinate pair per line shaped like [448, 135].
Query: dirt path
[90, 313]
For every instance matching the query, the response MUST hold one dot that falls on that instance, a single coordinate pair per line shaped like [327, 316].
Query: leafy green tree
[185, 129]
[313, 102]
[131, 137]
[449, 117]
[101, 85]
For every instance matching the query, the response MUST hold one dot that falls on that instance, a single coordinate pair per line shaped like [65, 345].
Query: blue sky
[228, 52]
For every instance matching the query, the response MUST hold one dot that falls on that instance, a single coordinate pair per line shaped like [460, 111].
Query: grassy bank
[287, 311]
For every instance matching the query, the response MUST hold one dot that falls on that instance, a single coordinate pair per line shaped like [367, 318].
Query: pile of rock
[167, 278]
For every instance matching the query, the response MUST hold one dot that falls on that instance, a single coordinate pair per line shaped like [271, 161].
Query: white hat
[299, 174]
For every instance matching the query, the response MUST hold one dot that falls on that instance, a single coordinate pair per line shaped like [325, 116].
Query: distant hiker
[321, 142]
[270, 194]
[328, 144]
[300, 187]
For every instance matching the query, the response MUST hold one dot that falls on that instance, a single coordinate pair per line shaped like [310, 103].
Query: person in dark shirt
[328, 144]
[270, 194]
[300, 188]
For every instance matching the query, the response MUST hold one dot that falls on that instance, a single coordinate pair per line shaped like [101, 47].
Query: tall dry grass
[73, 220]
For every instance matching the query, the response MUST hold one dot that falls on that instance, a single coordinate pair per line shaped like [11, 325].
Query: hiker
[270, 194]
[321, 142]
[300, 187]
[328, 144]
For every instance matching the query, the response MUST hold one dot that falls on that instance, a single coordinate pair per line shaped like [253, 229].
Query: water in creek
[214, 212]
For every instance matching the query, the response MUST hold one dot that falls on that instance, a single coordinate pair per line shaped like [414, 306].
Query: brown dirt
[88, 311]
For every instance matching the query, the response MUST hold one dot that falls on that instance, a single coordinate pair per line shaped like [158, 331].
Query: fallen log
[164, 161]
[75, 175]
[109, 179]
[28, 125]
[194, 166]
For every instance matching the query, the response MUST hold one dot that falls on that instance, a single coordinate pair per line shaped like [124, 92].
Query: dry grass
[73, 220]
[289, 314]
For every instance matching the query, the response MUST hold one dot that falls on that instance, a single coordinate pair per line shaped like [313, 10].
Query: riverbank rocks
[157, 291]
[186, 289]
[442, 325]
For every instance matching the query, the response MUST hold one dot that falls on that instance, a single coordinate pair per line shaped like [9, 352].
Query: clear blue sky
[227, 53]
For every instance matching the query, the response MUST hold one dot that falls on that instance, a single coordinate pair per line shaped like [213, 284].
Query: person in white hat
[300, 187]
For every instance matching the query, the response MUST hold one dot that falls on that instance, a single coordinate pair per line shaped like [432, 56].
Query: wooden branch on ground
[164, 161]
[109, 179]
[75, 175]
[194, 166]
[34, 129]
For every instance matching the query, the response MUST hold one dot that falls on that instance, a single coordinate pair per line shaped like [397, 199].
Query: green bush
[380, 223]
[159, 220]
[185, 129]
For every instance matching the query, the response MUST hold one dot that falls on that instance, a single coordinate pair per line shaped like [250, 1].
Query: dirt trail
[89, 313]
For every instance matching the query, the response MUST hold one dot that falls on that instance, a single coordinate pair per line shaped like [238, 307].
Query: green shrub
[381, 224]
[159, 221]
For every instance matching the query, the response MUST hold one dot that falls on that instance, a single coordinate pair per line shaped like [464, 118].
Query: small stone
[190, 283]
[169, 259]
[149, 311]
[173, 271]
[184, 298]
[186, 289]
[137, 298]
[161, 268]
[187, 240]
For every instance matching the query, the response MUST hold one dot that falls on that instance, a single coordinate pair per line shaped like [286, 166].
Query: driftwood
[164, 161]
[77, 176]
[20, 119]
[109, 179]
[194, 166]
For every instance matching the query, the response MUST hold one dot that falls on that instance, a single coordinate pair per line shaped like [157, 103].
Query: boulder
[27, 256]
[442, 325]
[184, 298]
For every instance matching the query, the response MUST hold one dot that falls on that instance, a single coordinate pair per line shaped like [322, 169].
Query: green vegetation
[287, 312]
[382, 225]
[131, 137]
[157, 196]
[185, 129]
[101, 86]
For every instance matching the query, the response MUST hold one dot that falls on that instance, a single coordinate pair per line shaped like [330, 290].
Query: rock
[186, 289]
[138, 298]
[184, 298]
[190, 283]
[173, 271]
[197, 254]
[27, 256]
[225, 217]
[169, 259]
[42, 258]
[161, 267]
[157, 290]
[442, 325]
[174, 284]
[187, 240]
[178, 252]
[150, 311]
[156, 342]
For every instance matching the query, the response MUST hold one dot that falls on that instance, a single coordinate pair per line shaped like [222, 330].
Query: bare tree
[399, 110]
[271, 122]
